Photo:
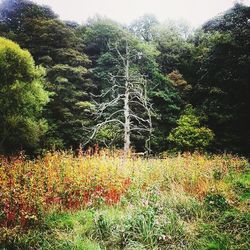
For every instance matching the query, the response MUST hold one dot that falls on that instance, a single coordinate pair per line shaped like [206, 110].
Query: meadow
[105, 201]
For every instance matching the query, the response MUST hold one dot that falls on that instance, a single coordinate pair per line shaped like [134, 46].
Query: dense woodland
[196, 83]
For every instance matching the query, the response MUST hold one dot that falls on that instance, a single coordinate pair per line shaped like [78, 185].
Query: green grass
[156, 221]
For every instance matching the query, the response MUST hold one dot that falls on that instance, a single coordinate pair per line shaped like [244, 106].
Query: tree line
[149, 85]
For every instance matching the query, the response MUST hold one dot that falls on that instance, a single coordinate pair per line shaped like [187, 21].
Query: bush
[190, 135]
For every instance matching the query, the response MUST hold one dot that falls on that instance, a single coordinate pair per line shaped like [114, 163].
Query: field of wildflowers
[104, 201]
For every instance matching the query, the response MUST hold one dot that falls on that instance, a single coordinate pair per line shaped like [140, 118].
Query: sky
[195, 12]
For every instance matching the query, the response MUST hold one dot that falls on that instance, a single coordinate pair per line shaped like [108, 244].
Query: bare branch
[100, 125]
[128, 87]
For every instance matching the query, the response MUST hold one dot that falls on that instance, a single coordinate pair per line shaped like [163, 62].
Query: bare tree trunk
[129, 90]
[126, 106]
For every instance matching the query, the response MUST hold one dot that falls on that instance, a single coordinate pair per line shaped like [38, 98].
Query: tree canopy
[22, 99]
[207, 68]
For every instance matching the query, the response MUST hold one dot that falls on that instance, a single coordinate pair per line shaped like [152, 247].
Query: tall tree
[222, 88]
[56, 46]
[128, 101]
[175, 51]
[164, 98]
[22, 99]
[143, 27]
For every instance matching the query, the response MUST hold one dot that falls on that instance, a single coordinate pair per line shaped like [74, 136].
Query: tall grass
[104, 201]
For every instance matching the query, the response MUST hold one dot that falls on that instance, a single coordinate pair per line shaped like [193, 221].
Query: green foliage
[175, 51]
[109, 135]
[102, 36]
[209, 237]
[99, 32]
[189, 135]
[221, 86]
[154, 224]
[22, 98]
[216, 202]
[241, 186]
[207, 68]
[143, 27]
[187, 207]
[56, 46]
[167, 105]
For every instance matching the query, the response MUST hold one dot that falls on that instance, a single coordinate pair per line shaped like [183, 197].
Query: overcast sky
[195, 12]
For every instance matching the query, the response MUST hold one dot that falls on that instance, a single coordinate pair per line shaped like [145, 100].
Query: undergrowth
[107, 202]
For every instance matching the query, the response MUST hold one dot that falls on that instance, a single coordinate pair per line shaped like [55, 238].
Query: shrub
[190, 135]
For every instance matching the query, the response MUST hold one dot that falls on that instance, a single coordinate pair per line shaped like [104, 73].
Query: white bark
[129, 89]
[126, 106]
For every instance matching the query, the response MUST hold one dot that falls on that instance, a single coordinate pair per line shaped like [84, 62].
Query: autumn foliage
[29, 188]
[63, 181]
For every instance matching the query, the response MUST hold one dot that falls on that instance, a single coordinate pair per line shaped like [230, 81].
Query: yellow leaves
[30, 188]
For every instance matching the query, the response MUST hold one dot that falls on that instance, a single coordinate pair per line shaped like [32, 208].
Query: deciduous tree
[22, 99]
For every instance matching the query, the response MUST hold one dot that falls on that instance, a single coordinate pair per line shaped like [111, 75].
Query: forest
[123, 136]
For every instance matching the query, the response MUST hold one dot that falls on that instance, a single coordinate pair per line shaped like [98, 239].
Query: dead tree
[130, 105]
